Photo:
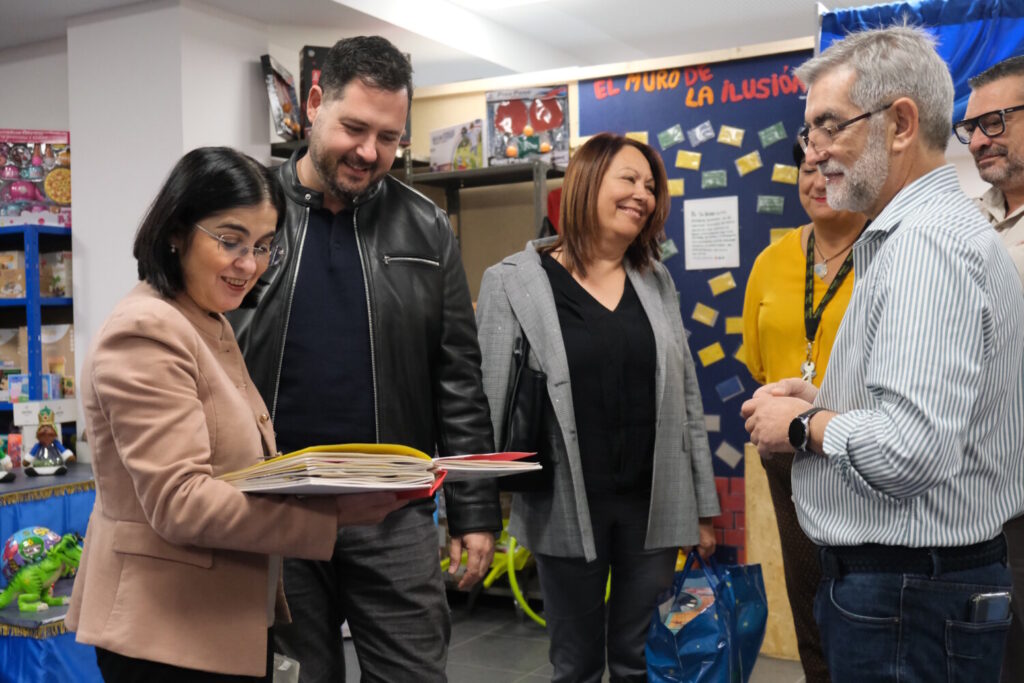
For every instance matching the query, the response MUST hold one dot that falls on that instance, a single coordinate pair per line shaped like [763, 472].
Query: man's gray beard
[862, 182]
[1012, 172]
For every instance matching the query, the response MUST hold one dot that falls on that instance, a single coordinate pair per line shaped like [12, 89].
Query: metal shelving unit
[33, 303]
[534, 171]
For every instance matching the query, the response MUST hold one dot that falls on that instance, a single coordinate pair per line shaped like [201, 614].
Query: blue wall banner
[972, 34]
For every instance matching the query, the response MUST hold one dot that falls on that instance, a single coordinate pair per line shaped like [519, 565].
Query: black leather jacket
[423, 346]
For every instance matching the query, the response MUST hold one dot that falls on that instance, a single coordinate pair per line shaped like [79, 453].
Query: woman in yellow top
[784, 335]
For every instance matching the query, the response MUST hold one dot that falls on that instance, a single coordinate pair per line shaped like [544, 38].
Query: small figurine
[48, 455]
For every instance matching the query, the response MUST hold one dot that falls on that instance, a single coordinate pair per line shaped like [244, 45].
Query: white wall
[34, 86]
[223, 96]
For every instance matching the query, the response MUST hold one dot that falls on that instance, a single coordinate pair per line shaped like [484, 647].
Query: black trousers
[120, 669]
[580, 625]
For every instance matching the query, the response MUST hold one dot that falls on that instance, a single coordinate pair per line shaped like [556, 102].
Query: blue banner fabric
[972, 34]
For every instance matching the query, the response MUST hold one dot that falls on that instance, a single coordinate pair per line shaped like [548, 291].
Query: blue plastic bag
[710, 628]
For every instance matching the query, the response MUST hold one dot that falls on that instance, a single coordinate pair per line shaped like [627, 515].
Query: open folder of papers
[359, 468]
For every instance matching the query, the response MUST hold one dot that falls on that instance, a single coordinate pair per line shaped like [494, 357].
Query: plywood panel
[764, 548]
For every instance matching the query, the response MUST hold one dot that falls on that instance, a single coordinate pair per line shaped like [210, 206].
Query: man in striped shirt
[910, 458]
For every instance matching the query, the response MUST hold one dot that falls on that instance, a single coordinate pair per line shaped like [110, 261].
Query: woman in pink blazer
[180, 577]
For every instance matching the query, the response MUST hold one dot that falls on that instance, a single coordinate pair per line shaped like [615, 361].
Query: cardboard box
[18, 387]
[12, 274]
[458, 148]
[58, 349]
[51, 384]
[55, 274]
[35, 177]
[526, 124]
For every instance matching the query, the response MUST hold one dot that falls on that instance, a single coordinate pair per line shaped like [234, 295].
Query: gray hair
[1014, 66]
[894, 62]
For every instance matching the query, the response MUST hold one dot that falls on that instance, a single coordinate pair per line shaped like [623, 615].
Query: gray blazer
[516, 298]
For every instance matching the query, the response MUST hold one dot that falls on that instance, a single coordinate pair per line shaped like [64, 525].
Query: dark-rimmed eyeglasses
[991, 123]
[822, 137]
[234, 247]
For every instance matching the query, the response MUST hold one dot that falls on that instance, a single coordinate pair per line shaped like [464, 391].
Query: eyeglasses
[992, 123]
[236, 248]
[822, 137]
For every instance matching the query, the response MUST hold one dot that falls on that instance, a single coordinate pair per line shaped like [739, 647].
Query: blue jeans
[911, 627]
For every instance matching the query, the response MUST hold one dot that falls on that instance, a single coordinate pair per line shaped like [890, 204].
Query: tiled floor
[492, 645]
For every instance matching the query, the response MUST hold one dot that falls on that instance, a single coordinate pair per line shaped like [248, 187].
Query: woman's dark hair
[798, 154]
[205, 181]
[578, 218]
[371, 59]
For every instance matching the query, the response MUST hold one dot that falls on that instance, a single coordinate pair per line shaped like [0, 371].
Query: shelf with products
[33, 310]
[538, 172]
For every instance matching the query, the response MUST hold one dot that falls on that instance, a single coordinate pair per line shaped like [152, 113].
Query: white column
[145, 85]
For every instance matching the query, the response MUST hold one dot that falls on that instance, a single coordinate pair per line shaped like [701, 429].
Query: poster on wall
[725, 132]
[711, 233]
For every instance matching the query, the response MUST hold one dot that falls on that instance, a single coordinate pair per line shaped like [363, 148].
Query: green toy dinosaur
[33, 584]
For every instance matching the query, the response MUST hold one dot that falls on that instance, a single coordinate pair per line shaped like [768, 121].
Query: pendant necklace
[812, 315]
[821, 269]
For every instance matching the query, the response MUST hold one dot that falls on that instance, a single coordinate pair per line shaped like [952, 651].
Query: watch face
[797, 433]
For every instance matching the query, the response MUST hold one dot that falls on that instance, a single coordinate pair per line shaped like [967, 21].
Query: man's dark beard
[328, 175]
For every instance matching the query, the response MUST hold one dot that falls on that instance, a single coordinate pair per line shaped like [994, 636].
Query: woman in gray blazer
[633, 479]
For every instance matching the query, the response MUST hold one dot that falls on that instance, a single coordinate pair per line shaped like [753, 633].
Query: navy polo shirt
[325, 394]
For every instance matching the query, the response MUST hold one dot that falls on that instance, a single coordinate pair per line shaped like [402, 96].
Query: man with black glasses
[994, 131]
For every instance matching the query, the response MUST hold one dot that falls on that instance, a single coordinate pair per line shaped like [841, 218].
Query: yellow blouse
[774, 340]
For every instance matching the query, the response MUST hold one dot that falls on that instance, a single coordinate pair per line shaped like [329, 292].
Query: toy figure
[34, 558]
[48, 455]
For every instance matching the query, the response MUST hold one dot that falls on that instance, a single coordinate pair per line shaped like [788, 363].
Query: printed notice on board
[712, 233]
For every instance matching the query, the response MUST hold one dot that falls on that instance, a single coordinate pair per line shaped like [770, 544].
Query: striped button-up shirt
[927, 448]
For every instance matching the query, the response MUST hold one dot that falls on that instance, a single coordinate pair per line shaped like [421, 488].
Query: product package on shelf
[12, 274]
[35, 177]
[528, 123]
[11, 444]
[55, 274]
[458, 148]
[18, 387]
[58, 354]
[284, 105]
[13, 350]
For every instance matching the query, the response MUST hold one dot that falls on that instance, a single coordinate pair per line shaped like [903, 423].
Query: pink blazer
[176, 566]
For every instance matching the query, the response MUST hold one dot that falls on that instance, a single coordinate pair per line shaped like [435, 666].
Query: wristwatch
[800, 430]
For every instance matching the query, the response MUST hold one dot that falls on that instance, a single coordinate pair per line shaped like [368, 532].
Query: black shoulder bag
[523, 422]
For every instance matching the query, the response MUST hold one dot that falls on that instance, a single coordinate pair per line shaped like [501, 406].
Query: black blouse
[611, 356]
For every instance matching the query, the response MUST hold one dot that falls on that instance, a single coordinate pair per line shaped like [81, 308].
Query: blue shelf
[33, 303]
[38, 229]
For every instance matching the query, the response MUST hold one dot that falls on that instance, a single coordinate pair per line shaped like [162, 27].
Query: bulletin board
[725, 131]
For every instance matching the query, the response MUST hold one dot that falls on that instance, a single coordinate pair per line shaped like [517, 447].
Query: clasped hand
[770, 410]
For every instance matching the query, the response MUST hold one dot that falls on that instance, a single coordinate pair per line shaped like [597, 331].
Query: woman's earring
[174, 249]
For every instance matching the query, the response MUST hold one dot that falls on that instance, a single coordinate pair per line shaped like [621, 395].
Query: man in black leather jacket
[366, 333]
